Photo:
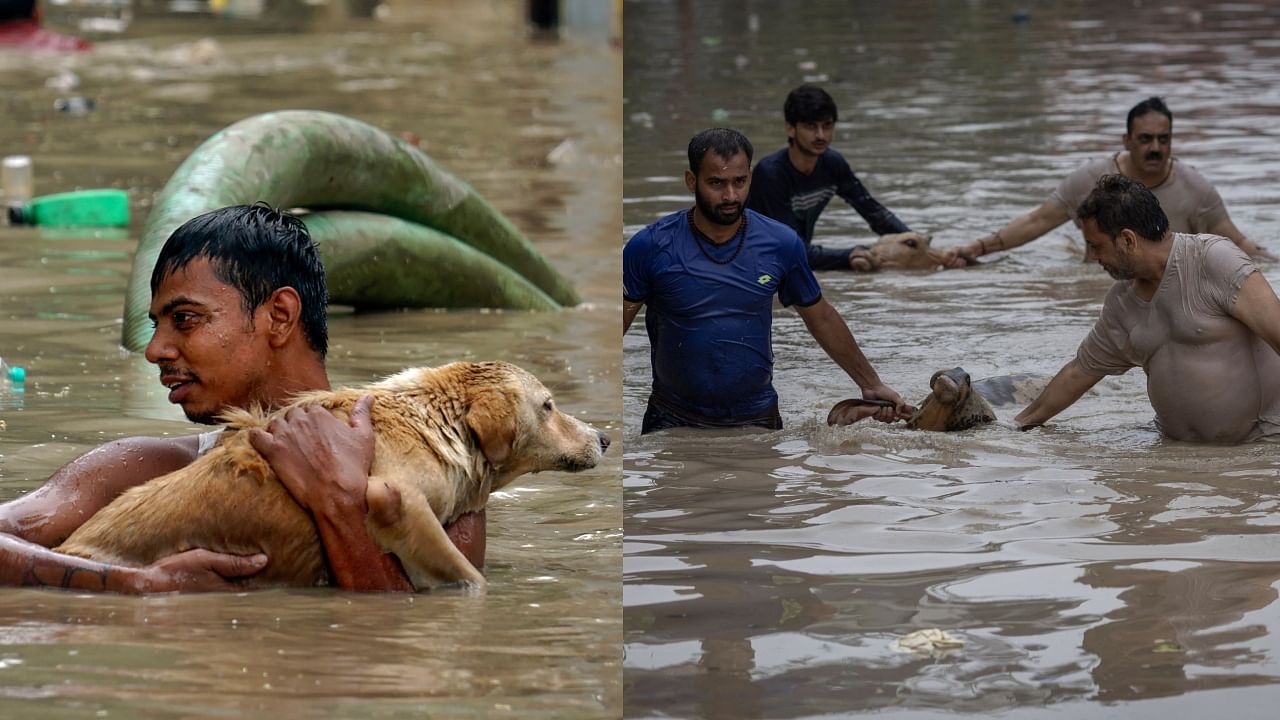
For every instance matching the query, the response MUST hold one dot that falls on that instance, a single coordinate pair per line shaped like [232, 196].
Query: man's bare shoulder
[85, 485]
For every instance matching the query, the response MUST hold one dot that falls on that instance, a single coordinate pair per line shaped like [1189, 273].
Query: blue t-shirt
[785, 194]
[709, 323]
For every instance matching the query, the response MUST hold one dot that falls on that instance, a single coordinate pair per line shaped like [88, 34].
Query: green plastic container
[106, 207]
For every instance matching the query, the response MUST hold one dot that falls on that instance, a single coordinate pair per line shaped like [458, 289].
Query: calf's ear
[493, 422]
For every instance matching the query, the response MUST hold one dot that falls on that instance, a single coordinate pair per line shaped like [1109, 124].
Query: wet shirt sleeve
[636, 255]
[798, 285]
[1204, 198]
[1106, 350]
[1226, 267]
[851, 189]
[1075, 187]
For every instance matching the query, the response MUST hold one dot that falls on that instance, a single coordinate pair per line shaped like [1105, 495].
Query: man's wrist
[127, 580]
[874, 384]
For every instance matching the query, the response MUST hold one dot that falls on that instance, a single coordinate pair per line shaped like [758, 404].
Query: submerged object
[324, 161]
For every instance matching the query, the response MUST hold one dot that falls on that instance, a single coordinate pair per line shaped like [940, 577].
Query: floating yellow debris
[927, 641]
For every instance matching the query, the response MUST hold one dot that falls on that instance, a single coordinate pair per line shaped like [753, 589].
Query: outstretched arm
[1020, 231]
[45, 517]
[1064, 389]
[1228, 229]
[879, 217]
[831, 332]
[324, 463]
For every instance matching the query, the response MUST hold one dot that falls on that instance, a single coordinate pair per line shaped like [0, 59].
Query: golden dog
[445, 438]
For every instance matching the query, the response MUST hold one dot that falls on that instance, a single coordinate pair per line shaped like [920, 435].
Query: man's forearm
[25, 564]
[1022, 229]
[356, 561]
[829, 329]
[1063, 390]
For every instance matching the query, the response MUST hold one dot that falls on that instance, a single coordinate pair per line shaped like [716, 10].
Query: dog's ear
[494, 423]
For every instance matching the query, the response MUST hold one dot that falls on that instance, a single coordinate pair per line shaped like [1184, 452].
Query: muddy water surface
[1090, 568]
[490, 105]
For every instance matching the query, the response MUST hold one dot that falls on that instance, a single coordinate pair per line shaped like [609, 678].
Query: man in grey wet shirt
[1190, 201]
[1190, 310]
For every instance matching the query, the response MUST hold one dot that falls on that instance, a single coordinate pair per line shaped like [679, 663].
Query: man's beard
[712, 213]
[203, 418]
[1123, 271]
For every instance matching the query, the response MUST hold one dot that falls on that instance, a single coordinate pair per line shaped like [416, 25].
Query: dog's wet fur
[446, 437]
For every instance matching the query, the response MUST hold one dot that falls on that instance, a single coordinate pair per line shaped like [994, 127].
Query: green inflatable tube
[312, 159]
[375, 262]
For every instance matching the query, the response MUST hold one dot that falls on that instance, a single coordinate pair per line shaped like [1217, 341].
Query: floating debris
[929, 641]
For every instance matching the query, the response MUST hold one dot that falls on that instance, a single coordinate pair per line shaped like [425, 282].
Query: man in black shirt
[794, 184]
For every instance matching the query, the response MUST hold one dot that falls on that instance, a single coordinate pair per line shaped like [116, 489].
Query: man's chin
[202, 417]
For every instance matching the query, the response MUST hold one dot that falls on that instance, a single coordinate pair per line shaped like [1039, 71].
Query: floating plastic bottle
[12, 373]
[106, 207]
[16, 181]
[12, 386]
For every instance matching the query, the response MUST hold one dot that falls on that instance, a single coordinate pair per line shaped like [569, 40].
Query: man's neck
[1151, 266]
[715, 232]
[804, 162]
[303, 374]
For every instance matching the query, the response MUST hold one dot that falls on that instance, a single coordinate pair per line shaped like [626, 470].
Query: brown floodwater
[1088, 569]
[491, 105]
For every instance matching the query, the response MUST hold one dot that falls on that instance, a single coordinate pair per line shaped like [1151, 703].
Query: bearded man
[708, 276]
[1191, 310]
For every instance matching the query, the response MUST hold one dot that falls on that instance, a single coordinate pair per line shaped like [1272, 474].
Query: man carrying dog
[239, 304]
[1188, 199]
[708, 275]
[794, 184]
[1190, 310]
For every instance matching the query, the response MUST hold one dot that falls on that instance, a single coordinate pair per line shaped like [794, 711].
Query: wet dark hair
[1117, 202]
[809, 103]
[17, 9]
[725, 142]
[257, 250]
[1151, 104]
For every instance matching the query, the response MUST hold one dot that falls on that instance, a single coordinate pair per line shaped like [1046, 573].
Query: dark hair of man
[809, 103]
[1118, 202]
[257, 250]
[724, 142]
[17, 10]
[1151, 104]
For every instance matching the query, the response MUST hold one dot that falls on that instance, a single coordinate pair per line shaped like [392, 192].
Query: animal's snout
[604, 441]
[950, 386]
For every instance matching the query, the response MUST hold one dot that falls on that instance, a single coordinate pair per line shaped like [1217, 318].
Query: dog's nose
[604, 441]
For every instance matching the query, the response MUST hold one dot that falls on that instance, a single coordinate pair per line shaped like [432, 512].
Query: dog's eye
[548, 406]
[912, 243]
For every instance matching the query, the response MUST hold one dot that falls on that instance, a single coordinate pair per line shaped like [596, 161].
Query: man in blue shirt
[794, 184]
[708, 275]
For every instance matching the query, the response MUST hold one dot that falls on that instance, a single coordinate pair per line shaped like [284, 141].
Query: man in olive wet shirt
[1189, 201]
[1190, 310]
